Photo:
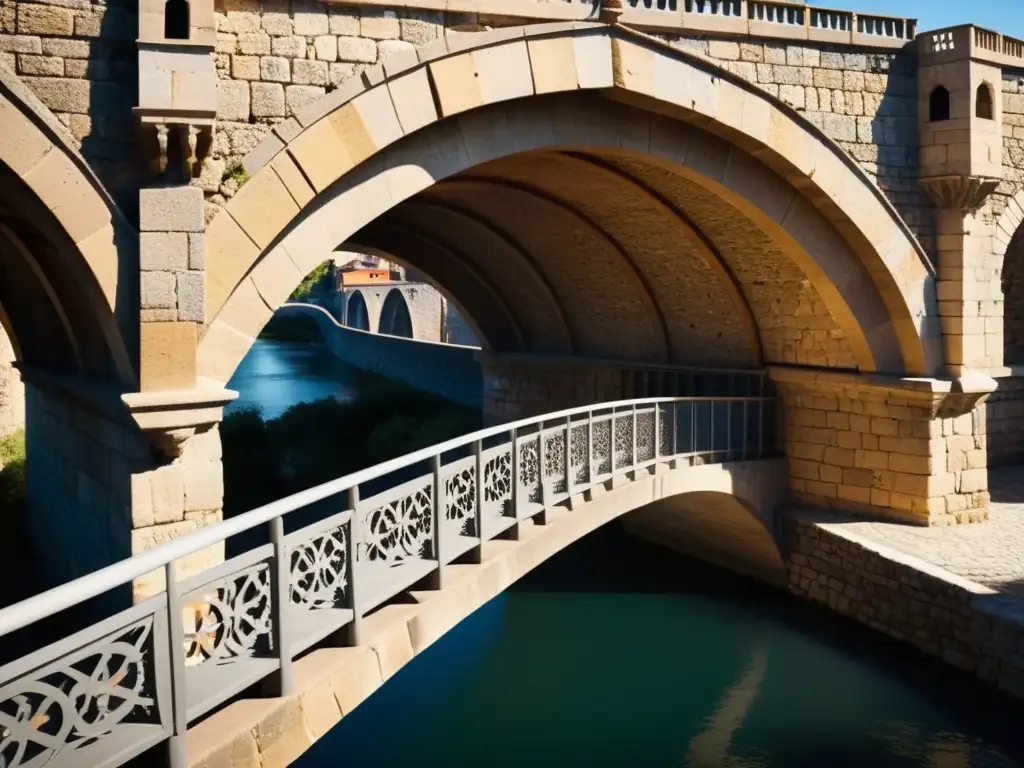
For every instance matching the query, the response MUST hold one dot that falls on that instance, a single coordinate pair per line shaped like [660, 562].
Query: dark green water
[620, 653]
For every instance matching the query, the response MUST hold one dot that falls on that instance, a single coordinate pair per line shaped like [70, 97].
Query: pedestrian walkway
[990, 553]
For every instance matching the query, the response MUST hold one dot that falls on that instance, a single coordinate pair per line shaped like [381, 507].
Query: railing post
[177, 745]
[675, 433]
[354, 629]
[568, 456]
[634, 457]
[512, 532]
[590, 450]
[477, 553]
[541, 518]
[760, 426]
[434, 580]
[657, 435]
[281, 684]
[611, 444]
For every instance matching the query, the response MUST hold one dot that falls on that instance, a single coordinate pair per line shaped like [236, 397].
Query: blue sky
[1006, 16]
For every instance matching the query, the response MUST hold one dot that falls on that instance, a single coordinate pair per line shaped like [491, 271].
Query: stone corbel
[958, 193]
[170, 417]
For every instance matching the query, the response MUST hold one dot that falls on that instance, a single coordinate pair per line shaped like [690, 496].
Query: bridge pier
[912, 450]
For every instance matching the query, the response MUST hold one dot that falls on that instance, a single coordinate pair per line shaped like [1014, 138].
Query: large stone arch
[450, 136]
[357, 313]
[68, 272]
[1008, 249]
[395, 318]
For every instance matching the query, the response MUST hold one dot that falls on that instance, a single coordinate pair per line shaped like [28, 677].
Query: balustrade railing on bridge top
[775, 18]
[136, 679]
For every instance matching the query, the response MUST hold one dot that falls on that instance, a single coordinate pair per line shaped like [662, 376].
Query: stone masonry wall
[517, 390]
[965, 624]
[900, 454]
[273, 57]
[79, 467]
[1005, 412]
[79, 58]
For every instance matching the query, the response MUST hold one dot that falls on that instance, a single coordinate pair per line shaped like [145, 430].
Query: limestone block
[51, 66]
[168, 488]
[275, 277]
[504, 72]
[337, 73]
[230, 254]
[457, 83]
[191, 290]
[233, 100]
[379, 24]
[246, 312]
[413, 100]
[553, 63]
[310, 19]
[275, 69]
[245, 67]
[311, 72]
[167, 357]
[326, 48]
[263, 207]
[142, 501]
[45, 20]
[268, 100]
[171, 209]
[292, 47]
[204, 486]
[62, 95]
[298, 96]
[277, 24]
[158, 290]
[254, 44]
[196, 251]
[293, 179]
[20, 44]
[21, 144]
[167, 251]
[357, 49]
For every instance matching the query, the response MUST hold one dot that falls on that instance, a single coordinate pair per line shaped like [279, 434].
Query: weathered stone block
[167, 251]
[378, 24]
[245, 67]
[275, 69]
[158, 290]
[311, 72]
[196, 251]
[62, 95]
[298, 96]
[310, 19]
[40, 65]
[325, 48]
[20, 44]
[344, 21]
[168, 488]
[290, 47]
[45, 20]
[191, 289]
[268, 100]
[171, 209]
[232, 100]
[357, 49]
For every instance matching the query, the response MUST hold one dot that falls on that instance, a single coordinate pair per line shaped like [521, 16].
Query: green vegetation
[12, 473]
[236, 172]
[312, 443]
[311, 282]
[285, 327]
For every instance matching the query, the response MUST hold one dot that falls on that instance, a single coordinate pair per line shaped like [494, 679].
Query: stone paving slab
[991, 553]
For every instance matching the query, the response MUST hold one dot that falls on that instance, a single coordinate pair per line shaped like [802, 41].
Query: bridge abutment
[912, 450]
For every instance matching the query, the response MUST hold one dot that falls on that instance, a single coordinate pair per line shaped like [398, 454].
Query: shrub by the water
[312, 443]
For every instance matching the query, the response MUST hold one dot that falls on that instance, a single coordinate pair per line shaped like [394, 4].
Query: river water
[620, 653]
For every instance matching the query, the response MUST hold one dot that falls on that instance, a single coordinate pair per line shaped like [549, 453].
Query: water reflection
[276, 375]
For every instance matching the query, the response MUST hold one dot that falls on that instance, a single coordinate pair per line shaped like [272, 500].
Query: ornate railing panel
[106, 694]
[97, 698]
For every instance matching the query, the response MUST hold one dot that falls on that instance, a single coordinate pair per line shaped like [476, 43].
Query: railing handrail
[38, 607]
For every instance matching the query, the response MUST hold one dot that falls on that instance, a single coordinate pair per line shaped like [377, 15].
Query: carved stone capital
[611, 11]
[175, 150]
[169, 418]
[958, 193]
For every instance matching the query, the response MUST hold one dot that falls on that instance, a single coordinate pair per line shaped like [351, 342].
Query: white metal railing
[136, 679]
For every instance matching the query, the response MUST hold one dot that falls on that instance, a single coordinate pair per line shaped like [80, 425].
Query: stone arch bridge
[625, 204]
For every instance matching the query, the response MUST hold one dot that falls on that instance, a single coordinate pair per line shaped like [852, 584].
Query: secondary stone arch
[1008, 248]
[69, 256]
[866, 269]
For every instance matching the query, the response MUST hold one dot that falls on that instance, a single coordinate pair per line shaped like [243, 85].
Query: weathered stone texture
[889, 451]
[866, 102]
[966, 625]
[79, 59]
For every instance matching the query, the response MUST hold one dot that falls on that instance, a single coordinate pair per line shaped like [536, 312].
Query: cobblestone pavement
[990, 553]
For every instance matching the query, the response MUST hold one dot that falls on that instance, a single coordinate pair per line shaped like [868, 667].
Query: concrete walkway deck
[990, 553]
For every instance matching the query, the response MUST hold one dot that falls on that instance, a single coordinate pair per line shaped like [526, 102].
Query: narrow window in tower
[176, 20]
[938, 104]
[983, 102]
